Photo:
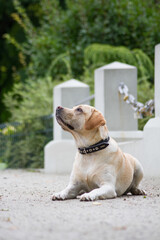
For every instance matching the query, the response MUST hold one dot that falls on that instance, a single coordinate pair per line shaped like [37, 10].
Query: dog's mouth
[60, 120]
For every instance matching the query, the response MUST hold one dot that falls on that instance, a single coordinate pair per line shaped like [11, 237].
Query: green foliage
[3, 166]
[40, 47]
[27, 153]
[142, 122]
[119, 23]
[145, 90]
[8, 130]
[30, 100]
[25, 142]
[97, 55]
[34, 98]
[72, 26]
[10, 57]
[144, 65]
[25, 147]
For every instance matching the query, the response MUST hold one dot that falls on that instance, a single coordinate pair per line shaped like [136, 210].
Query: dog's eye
[79, 110]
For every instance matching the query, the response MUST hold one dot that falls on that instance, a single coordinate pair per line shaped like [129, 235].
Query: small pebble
[96, 203]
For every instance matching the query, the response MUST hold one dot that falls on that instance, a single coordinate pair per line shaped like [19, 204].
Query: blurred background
[46, 42]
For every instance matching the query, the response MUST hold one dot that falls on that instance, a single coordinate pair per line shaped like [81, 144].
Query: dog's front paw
[59, 196]
[87, 197]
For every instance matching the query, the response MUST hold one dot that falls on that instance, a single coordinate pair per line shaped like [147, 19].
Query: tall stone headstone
[119, 115]
[157, 80]
[152, 128]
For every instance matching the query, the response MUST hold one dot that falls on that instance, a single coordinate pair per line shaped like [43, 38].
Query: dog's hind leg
[138, 175]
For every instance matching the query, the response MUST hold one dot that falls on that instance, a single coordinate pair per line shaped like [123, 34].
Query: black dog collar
[96, 147]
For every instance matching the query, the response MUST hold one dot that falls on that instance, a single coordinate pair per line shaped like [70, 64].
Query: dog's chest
[89, 173]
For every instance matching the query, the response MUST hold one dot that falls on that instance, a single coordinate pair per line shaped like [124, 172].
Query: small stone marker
[68, 94]
[60, 153]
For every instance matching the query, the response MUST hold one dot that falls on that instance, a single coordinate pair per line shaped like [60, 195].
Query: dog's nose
[59, 108]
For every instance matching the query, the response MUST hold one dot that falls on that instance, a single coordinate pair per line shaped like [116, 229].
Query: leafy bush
[10, 58]
[144, 65]
[145, 90]
[30, 100]
[132, 24]
[26, 140]
[56, 47]
[26, 153]
[41, 46]
[24, 147]
[97, 55]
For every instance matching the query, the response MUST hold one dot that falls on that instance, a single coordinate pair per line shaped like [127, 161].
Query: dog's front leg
[71, 191]
[106, 191]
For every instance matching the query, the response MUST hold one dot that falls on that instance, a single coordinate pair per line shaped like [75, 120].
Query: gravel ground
[27, 212]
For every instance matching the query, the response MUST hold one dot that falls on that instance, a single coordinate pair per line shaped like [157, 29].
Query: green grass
[3, 166]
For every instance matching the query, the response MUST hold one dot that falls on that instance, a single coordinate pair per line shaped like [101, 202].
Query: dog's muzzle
[59, 111]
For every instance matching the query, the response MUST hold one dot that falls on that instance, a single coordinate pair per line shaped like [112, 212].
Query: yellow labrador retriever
[101, 170]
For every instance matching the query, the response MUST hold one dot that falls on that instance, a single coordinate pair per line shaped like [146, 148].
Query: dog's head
[82, 120]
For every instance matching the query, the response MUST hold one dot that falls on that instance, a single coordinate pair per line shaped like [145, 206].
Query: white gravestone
[119, 115]
[152, 128]
[59, 154]
[157, 80]
[68, 94]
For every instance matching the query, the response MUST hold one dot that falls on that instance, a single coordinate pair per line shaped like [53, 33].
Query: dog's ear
[103, 130]
[96, 120]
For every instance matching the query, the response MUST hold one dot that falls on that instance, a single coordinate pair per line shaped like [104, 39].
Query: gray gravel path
[27, 212]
